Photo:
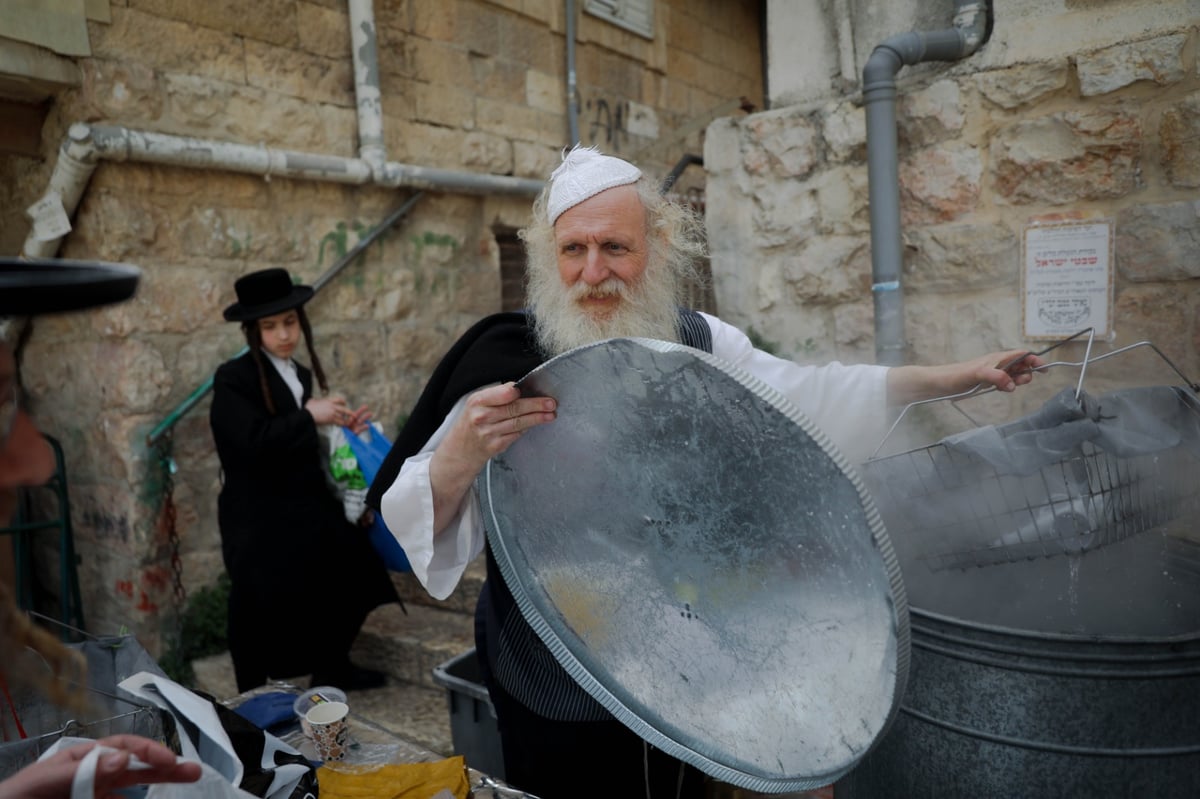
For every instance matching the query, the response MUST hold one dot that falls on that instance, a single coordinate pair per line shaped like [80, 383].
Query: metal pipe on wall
[879, 99]
[572, 87]
[86, 145]
[366, 83]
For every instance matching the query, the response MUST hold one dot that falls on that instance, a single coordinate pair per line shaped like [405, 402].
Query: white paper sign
[49, 218]
[1067, 279]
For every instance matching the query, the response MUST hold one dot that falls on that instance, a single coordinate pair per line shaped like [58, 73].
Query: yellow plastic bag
[396, 781]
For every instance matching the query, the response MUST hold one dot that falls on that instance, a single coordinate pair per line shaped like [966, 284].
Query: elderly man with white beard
[607, 257]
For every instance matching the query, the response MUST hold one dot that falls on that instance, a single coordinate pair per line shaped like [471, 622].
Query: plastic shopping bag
[369, 450]
[348, 479]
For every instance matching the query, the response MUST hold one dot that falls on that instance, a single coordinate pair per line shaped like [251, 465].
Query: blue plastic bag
[370, 455]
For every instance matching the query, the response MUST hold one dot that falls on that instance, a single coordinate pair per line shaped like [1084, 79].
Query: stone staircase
[405, 647]
[409, 646]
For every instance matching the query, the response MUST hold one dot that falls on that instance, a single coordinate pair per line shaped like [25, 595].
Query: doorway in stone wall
[512, 268]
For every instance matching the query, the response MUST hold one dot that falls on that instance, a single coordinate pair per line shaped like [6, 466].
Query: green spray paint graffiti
[431, 239]
[442, 279]
[338, 241]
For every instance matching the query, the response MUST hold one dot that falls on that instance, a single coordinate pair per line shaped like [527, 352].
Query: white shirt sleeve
[849, 403]
[407, 506]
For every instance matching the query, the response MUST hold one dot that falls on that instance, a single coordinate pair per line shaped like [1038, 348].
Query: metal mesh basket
[952, 507]
[42, 723]
[959, 511]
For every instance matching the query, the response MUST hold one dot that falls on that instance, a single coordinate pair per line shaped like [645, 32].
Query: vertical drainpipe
[366, 84]
[572, 88]
[77, 160]
[879, 98]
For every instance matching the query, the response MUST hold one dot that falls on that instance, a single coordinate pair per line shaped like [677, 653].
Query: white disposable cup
[330, 731]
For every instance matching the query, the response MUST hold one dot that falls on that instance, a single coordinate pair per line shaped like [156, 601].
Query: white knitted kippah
[584, 173]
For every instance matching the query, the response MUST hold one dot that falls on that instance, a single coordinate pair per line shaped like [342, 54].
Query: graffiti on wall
[432, 252]
[435, 240]
[607, 123]
[612, 122]
[338, 241]
[154, 582]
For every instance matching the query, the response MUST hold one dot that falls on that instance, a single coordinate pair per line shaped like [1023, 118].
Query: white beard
[647, 309]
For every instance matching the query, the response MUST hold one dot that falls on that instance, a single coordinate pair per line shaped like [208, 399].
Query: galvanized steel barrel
[997, 712]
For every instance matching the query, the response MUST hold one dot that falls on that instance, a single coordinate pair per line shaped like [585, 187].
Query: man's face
[605, 279]
[601, 249]
[25, 457]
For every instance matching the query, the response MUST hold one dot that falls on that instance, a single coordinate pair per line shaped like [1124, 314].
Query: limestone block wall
[467, 85]
[1064, 110]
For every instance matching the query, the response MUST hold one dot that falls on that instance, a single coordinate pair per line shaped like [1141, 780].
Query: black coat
[300, 573]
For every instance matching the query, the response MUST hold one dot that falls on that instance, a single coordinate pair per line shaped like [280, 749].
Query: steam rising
[1075, 519]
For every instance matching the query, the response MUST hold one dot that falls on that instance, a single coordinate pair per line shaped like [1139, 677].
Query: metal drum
[1054, 609]
[991, 712]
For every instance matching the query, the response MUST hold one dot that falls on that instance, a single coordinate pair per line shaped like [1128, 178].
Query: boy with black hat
[303, 579]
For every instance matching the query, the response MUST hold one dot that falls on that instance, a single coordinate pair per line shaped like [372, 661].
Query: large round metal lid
[702, 561]
[29, 287]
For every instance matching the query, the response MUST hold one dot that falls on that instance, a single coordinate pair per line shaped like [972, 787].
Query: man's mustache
[611, 287]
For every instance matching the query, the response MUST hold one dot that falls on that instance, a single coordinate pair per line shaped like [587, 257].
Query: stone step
[409, 646]
[414, 712]
[463, 598]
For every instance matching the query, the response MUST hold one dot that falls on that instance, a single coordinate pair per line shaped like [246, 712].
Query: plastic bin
[472, 717]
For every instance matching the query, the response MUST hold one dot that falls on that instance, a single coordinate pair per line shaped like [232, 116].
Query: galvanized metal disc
[702, 561]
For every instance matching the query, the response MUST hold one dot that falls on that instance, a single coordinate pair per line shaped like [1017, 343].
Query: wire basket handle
[983, 388]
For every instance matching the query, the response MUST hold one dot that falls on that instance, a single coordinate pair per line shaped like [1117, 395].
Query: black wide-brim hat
[39, 286]
[265, 293]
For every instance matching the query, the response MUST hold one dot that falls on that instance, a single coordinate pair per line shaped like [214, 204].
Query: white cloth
[584, 173]
[287, 370]
[203, 738]
[211, 785]
[849, 403]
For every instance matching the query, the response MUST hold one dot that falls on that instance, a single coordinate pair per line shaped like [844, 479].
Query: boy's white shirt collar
[287, 370]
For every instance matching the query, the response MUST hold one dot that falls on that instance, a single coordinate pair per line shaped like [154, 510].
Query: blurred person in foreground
[607, 258]
[26, 459]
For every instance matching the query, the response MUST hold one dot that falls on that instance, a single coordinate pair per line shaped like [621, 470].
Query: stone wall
[468, 85]
[1063, 111]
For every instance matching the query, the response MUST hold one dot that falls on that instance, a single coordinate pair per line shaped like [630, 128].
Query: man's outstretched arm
[1004, 370]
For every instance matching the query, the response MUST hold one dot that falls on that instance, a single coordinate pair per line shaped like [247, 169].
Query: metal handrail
[194, 398]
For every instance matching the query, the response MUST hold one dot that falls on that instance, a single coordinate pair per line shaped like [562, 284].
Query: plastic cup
[330, 729]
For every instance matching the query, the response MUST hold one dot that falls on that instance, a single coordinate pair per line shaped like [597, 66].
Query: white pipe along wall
[86, 145]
